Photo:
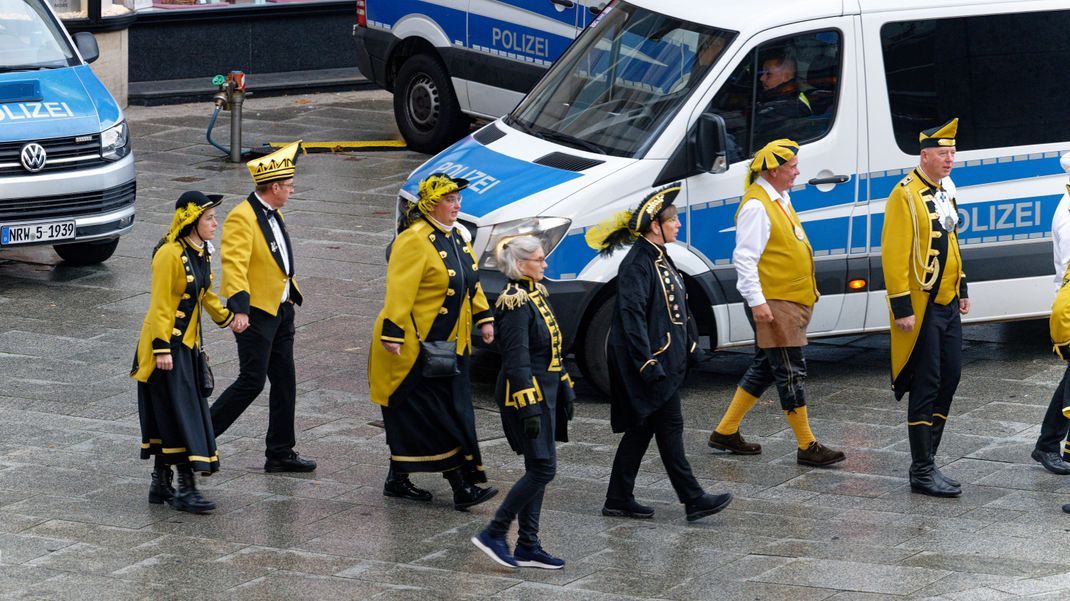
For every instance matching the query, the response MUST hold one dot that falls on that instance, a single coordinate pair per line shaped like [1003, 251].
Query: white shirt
[752, 234]
[1060, 232]
[280, 240]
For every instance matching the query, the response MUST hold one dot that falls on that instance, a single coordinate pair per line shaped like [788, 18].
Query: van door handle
[564, 3]
[832, 179]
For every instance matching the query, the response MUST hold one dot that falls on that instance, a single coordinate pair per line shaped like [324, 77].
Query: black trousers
[937, 364]
[666, 425]
[524, 501]
[265, 352]
[1054, 428]
[783, 366]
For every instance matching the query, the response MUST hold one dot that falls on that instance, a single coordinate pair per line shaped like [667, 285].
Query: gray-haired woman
[535, 396]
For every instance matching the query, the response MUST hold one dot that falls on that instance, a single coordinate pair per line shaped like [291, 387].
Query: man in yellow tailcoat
[258, 281]
[926, 298]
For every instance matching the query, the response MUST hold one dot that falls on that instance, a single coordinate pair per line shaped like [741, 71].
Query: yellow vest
[786, 267]
[1059, 322]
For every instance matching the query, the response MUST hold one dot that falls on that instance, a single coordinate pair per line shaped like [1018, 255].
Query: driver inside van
[781, 102]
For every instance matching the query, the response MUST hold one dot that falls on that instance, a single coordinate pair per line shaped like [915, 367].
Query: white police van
[656, 92]
[66, 171]
[448, 61]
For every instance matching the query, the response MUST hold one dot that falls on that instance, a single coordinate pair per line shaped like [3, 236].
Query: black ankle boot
[188, 498]
[938, 434]
[160, 490]
[466, 494]
[923, 478]
[398, 485]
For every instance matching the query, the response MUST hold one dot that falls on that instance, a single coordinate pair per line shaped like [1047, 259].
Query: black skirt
[431, 426]
[175, 421]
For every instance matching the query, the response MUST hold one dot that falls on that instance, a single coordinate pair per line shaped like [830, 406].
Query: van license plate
[36, 232]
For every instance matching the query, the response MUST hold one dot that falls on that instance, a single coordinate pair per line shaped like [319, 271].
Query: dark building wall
[256, 39]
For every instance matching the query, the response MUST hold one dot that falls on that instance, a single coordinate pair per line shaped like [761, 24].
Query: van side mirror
[87, 46]
[708, 142]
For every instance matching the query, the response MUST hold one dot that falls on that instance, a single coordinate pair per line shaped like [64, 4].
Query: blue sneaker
[536, 557]
[495, 548]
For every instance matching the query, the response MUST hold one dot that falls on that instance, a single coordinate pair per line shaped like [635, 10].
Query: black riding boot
[398, 485]
[466, 494]
[160, 490]
[938, 433]
[188, 498]
[923, 478]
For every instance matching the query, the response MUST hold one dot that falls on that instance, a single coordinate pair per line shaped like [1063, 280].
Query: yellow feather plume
[597, 237]
[183, 217]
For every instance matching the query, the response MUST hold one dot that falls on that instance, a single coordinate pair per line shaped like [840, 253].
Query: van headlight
[115, 142]
[549, 230]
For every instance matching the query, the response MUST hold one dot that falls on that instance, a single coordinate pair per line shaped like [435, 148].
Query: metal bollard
[236, 79]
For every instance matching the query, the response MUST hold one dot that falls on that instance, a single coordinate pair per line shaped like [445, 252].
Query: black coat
[533, 379]
[652, 339]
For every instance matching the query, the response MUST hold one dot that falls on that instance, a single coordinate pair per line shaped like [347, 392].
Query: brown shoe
[734, 443]
[818, 455]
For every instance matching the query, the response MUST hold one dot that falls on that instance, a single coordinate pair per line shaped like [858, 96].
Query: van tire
[425, 105]
[86, 253]
[595, 362]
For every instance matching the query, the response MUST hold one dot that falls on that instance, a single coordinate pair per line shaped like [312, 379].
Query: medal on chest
[798, 232]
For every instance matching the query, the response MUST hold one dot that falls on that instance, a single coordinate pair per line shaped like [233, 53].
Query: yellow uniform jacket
[253, 272]
[919, 259]
[175, 305]
[432, 283]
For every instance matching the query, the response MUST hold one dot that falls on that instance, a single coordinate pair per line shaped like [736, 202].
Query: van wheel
[595, 362]
[86, 253]
[425, 105]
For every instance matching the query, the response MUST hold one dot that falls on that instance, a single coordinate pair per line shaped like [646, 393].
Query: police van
[659, 92]
[66, 171]
[448, 61]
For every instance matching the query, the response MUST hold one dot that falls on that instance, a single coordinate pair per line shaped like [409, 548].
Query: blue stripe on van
[975, 175]
[516, 39]
[544, 8]
[495, 179]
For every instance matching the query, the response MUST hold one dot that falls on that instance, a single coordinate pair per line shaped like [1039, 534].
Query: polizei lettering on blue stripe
[35, 110]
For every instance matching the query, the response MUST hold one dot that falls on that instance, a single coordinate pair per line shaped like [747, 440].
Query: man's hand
[906, 323]
[487, 331]
[163, 361]
[762, 313]
[964, 305]
[240, 323]
[394, 348]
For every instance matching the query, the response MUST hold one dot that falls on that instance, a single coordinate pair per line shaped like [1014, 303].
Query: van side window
[1003, 76]
[786, 88]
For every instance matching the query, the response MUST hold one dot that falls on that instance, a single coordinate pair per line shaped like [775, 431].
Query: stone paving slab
[75, 524]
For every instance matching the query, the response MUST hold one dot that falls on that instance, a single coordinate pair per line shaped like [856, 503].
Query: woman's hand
[487, 331]
[164, 362]
[394, 348]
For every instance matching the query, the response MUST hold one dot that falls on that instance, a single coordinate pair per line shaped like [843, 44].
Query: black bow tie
[270, 213]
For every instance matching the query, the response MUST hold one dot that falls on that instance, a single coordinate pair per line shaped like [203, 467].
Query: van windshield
[30, 38]
[621, 81]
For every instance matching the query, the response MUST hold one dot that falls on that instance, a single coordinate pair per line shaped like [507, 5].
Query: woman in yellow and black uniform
[432, 294]
[535, 397]
[176, 426]
[652, 342]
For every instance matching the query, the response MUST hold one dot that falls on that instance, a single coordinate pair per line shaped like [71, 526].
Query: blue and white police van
[448, 61]
[656, 92]
[66, 171]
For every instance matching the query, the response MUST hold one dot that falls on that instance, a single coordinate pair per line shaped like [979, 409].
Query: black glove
[531, 426]
[570, 408]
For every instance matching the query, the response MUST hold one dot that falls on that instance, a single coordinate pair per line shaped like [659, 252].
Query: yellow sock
[800, 424]
[742, 402]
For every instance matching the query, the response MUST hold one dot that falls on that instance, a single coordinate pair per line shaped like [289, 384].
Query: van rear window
[1003, 76]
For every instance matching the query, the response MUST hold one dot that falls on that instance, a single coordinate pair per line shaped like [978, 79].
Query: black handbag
[207, 377]
[438, 358]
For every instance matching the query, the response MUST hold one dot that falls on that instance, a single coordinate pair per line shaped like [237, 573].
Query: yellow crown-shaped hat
[943, 135]
[275, 167]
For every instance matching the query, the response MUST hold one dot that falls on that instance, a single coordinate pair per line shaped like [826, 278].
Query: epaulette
[906, 180]
[513, 297]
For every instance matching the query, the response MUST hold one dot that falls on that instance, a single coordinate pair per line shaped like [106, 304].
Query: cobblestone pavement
[74, 521]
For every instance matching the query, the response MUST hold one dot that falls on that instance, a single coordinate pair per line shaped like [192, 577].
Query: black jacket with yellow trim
[253, 274]
[432, 287]
[174, 305]
[533, 380]
[653, 338]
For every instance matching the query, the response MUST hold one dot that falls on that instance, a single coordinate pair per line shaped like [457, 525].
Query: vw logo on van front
[33, 157]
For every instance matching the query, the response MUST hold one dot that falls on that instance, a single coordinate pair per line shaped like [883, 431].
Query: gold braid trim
[513, 297]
